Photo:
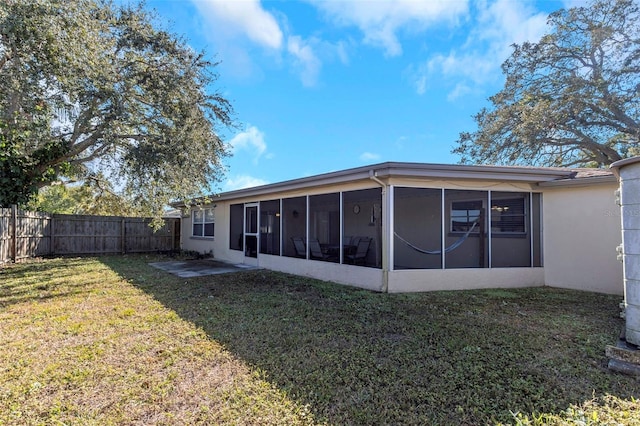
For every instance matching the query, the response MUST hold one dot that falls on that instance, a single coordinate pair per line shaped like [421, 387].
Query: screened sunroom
[399, 227]
[436, 228]
[336, 227]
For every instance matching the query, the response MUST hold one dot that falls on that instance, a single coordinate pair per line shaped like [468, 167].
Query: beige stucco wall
[199, 244]
[464, 279]
[357, 276]
[581, 231]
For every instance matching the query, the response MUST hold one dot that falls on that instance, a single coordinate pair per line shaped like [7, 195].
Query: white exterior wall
[581, 230]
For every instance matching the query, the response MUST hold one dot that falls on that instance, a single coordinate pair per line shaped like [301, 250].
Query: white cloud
[235, 27]
[459, 91]
[505, 22]
[369, 156]
[240, 33]
[418, 76]
[251, 140]
[496, 26]
[399, 143]
[380, 21]
[241, 18]
[568, 4]
[341, 51]
[241, 182]
[305, 60]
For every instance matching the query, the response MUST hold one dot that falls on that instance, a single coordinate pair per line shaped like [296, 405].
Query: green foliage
[83, 199]
[19, 179]
[570, 99]
[90, 88]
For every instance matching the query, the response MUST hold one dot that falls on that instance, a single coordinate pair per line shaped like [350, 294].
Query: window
[464, 214]
[203, 223]
[511, 243]
[508, 215]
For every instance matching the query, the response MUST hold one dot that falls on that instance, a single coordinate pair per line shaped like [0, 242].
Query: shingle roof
[588, 173]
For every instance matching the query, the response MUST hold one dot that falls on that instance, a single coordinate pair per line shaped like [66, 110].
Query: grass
[113, 341]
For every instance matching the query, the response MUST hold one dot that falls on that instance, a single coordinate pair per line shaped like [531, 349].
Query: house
[408, 227]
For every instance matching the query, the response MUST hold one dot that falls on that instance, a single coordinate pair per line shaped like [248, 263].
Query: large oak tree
[571, 99]
[89, 89]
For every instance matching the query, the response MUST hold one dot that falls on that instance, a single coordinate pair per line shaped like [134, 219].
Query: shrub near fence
[28, 234]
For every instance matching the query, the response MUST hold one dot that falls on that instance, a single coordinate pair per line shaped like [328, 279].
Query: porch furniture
[349, 244]
[299, 247]
[360, 255]
[316, 251]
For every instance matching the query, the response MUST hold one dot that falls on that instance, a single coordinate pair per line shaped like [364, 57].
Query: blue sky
[320, 86]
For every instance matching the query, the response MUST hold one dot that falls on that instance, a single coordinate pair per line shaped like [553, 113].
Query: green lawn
[113, 341]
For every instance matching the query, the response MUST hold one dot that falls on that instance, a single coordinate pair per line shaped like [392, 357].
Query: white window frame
[452, 216]
[207, 218]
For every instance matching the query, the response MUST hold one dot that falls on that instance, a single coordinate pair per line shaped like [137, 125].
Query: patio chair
[316, 251]
[360, 255]
[349, 244]
[298, 245]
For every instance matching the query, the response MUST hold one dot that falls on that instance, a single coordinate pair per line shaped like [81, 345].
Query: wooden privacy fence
[29, 234]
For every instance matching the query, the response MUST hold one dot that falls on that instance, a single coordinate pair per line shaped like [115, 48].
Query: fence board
[5, 235]
[41, 234]
[33, 234]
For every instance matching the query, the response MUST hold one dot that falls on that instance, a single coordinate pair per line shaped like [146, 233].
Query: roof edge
[583, 181]
[533, 175]
[615, 167]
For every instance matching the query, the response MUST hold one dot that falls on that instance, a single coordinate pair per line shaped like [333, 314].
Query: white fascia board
[293, 185]
[471, 172]
[389, 169]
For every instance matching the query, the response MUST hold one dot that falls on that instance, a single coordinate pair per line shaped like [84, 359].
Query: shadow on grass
[37, 281]
[357, 357]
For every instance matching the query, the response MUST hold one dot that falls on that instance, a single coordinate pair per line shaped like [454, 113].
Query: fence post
[123, 235]
[14, 233]
[52, 239]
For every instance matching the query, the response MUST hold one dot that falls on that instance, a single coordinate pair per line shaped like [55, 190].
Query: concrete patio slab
[199, 268]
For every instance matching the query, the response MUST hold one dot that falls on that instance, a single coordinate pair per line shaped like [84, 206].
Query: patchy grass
[114, 341]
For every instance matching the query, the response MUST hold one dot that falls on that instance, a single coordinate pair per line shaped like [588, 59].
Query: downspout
[385, 231]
